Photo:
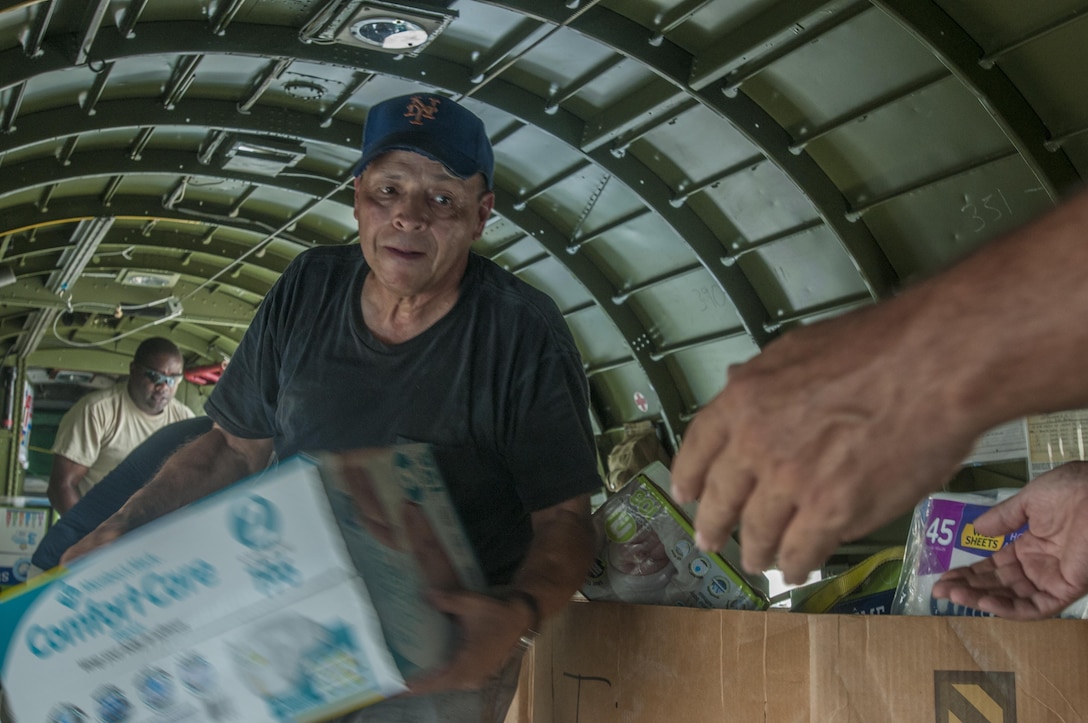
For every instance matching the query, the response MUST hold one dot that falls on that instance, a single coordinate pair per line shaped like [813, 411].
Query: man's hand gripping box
[272, 600]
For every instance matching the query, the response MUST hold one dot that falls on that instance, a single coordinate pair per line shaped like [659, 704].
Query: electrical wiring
[115, 309]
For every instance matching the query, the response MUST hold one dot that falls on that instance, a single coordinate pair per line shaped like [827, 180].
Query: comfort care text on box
[263, 602]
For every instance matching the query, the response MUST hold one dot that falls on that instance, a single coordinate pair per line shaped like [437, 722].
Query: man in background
[104, 426]
[114, 490]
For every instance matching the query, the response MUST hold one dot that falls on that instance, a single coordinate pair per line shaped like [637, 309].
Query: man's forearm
[205, 465]
[1002, 332]
[64, 479]
[559, 556]
[63, 497]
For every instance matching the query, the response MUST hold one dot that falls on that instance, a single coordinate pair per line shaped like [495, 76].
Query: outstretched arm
[838, 427]
[211, 462]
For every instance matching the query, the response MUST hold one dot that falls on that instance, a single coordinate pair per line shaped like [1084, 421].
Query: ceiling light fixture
[262, 155]
[389, 33]
[388, 27]
[148, 279]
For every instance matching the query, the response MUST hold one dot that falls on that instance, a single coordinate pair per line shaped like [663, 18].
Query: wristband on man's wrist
[534, 607]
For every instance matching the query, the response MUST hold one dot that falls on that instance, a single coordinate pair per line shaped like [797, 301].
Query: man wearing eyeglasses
[99, 431]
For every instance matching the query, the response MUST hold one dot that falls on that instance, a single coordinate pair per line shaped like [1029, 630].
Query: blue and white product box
[943, 537]
[21, 529]
[272, 600]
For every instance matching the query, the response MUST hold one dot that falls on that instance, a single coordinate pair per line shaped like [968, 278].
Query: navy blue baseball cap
[432, 126]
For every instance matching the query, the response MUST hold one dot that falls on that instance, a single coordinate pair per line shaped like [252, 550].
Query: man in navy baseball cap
[433, 126]
[424, 341]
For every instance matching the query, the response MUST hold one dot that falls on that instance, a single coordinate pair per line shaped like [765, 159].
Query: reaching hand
[104, 534]
[822, 438]
[1045, 569]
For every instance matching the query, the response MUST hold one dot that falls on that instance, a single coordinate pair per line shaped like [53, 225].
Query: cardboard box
[612, 662]
[271, 600]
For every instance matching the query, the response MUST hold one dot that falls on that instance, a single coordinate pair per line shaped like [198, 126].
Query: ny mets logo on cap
[436, 127]
[418, 111]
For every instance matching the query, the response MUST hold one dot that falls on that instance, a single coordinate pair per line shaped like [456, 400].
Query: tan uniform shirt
[104, 426]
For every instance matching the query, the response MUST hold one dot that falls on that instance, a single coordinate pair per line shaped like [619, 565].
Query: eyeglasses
[156, 377]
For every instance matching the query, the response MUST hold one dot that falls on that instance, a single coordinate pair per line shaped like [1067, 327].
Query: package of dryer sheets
[943, 537]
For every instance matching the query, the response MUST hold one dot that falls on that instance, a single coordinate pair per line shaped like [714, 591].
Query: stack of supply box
[610, 661]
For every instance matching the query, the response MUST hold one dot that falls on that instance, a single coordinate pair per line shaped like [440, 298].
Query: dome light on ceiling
[389, 33]
[148, 279]
[388, 27]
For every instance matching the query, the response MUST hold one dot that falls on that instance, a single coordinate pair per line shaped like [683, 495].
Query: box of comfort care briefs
[272, 600]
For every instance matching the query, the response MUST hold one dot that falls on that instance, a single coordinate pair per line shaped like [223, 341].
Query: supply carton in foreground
[602, 662]
[273, 600]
